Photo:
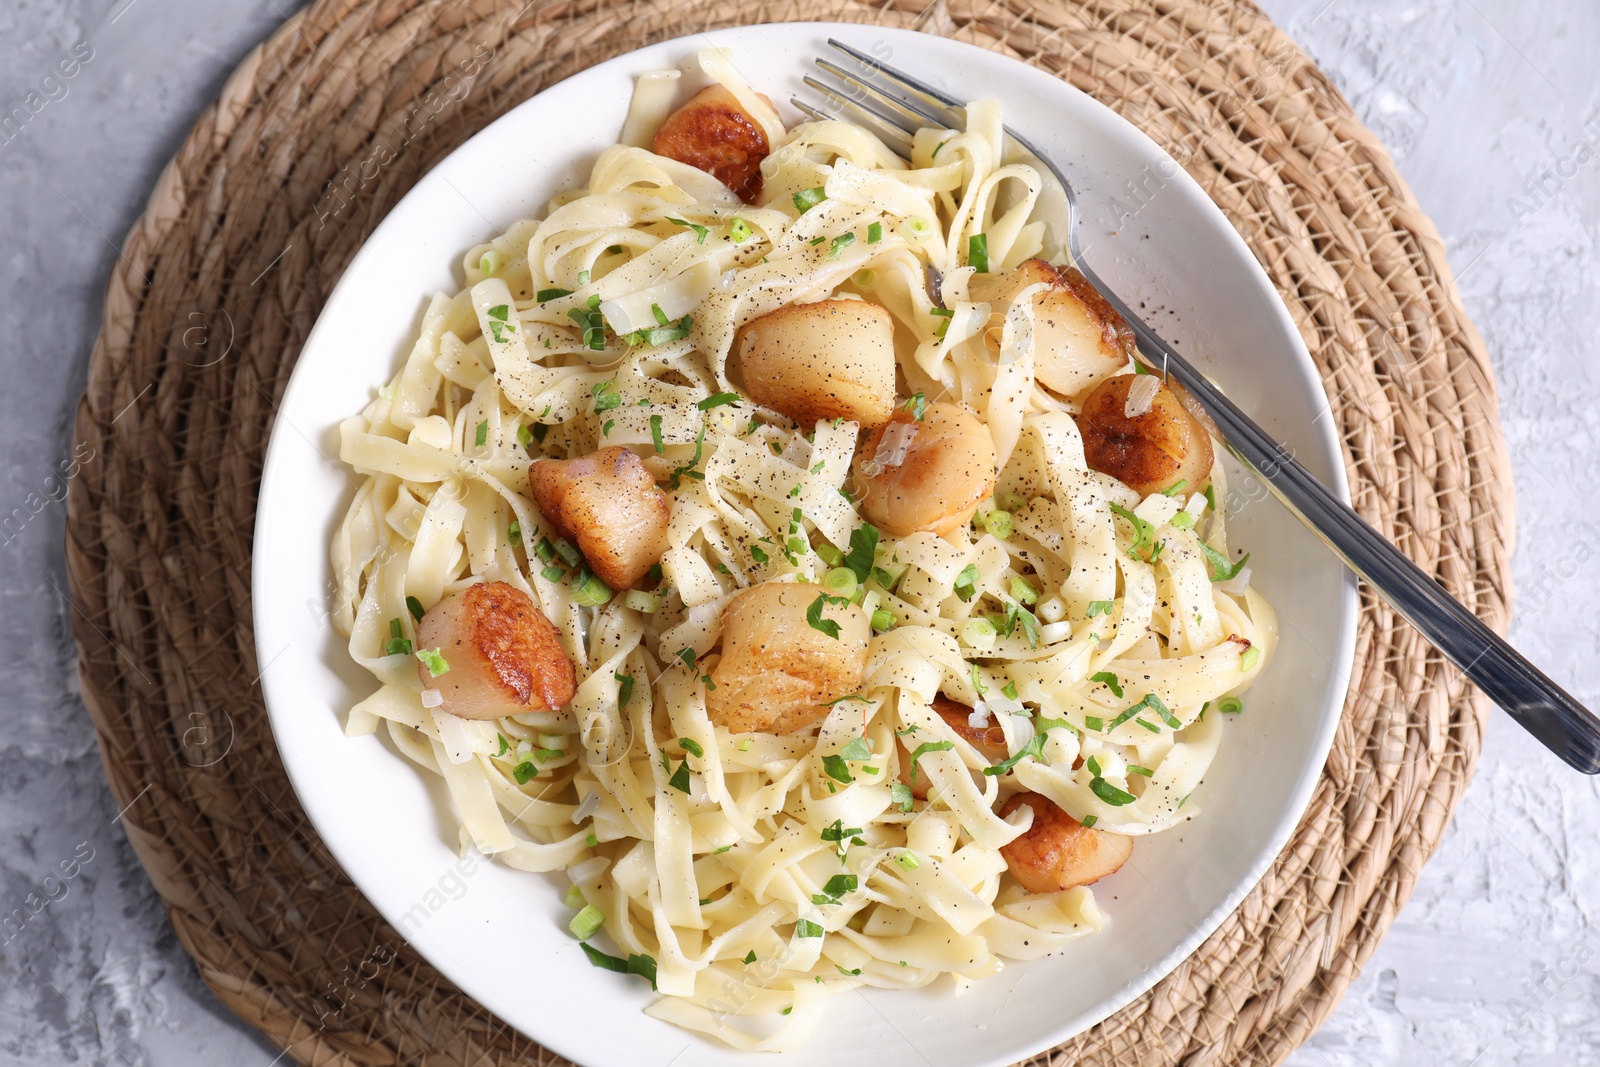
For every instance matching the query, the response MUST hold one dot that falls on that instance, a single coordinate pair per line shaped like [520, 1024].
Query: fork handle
[1542, 707]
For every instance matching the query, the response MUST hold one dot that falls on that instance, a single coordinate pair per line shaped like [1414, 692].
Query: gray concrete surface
[1493, 111]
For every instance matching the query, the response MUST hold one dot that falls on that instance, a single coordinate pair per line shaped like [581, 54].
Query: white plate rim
[1340, 657]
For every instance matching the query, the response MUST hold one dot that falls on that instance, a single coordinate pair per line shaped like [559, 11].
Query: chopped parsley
[806, 928]
[814, 614]
[926, 747]
[606, 396]
[1110, 793]
[655, 434]
[1109, 680]
[901, 796]
[1221, 569]
[1144, 533]
[1100, 607]
[863, 548]
[1034, 748]
[806, 199]
[699, 231]
[592, 322]
[716, 400]
[917, 405]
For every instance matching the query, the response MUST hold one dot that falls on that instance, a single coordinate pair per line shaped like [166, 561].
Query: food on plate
[778, 540]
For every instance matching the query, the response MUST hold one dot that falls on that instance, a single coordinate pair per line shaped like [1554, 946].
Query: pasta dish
[781, 540]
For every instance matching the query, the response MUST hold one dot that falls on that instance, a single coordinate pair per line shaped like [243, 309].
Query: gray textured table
[1492, 109]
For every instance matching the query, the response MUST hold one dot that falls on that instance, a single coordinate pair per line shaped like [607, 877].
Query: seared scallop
[610, 506]
[714, 134]
[778, 670]
[1079, 339]
[495, 653]
[825, 360]
[925, 474]
[1160, 446]
[1058, 852]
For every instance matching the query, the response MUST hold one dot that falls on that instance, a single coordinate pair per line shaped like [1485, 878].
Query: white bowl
[500, 934]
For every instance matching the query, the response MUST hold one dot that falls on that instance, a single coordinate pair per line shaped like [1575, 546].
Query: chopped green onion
[829, 555]
[1230, 705]
[514, 533]
[643, 966]
[908, 860]
[575, 897]
[1094, 722]
[625, 689]
[1175, 488]
[840, 243]
[567, 551]
[883, 620]
[758, 554]
[806, 199]
[1146, 771]
[587, 922]
[1022, 591]
[414, 606]
[1182, 520]
[965, 583]
[840, 581]
[865, 278]
[1249, 658]
[583, 277]
[524, 771]
[590, 591]
[546, 295]
[1089, 821]
[979, 633]
[978, 252]
[739, 230]
[998, 523]
[593, 324]
[691, 746]
[874, 232]
[489, 263]
[432, 660]
[918, 229]
[1010, 690]
[639, 600]
[837, 831]
[1109, 680]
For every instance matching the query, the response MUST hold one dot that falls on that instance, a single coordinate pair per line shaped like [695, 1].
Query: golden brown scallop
[714, 134]
[1079, 339]
[501, 655]
[824, 360]
[927, 474]
[610, 506]
[777, 670]
[1058, 852]
[1152, 452]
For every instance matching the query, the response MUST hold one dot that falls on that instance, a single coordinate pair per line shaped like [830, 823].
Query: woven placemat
[283, 179]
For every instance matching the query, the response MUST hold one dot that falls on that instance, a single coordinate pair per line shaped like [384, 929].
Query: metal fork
[894, 105]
